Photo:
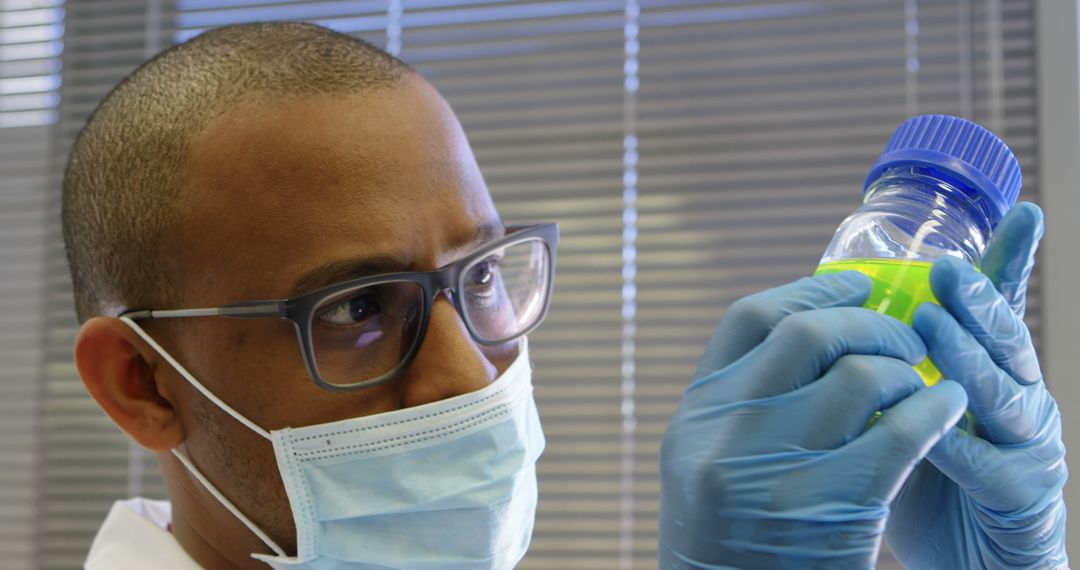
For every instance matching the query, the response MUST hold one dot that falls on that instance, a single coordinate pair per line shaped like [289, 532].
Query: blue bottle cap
[960, 149]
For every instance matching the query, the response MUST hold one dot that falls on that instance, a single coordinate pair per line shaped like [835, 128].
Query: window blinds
[29, 76]
[24, 221]
[30, 45]
[693, 151]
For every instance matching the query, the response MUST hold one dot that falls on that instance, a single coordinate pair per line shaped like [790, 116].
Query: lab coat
[135, 536]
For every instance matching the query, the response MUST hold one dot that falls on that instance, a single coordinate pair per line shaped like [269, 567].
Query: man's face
[277, 192]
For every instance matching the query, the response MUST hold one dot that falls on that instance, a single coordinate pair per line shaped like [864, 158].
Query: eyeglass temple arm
[250, 310]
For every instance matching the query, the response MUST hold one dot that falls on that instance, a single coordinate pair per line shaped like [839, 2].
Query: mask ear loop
[191, 380]
[183, 457]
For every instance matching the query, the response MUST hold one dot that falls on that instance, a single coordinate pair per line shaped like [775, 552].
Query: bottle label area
[900, 286]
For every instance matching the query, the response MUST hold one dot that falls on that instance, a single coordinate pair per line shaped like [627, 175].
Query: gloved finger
[1010, 257]
[971, 298]
[999, 403]
[904, 435]
[803, 346]
[749, 320]
[836, 409]
[1001, 479]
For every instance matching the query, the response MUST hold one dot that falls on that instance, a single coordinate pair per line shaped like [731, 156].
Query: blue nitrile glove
[991, 494]
[768, 462]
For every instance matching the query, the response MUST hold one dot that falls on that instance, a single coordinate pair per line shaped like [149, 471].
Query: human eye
[356, 309]
[482, 280]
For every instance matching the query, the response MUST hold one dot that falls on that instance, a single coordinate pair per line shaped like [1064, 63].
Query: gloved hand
[991, 494]
[768, 462]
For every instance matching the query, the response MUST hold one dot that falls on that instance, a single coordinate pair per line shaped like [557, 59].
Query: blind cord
[631, 47]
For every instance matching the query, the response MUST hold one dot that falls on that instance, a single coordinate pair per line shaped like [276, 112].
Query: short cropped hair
[125, 170]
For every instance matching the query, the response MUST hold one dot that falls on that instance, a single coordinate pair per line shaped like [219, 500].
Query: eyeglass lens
[362, 334]
[365, 333]
[503, 294]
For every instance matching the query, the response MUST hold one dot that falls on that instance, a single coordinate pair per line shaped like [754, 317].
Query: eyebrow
[365, 266]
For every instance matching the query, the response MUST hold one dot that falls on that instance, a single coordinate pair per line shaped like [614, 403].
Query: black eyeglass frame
[300, 310]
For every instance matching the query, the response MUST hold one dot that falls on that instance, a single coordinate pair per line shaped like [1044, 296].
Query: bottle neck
[949, 216]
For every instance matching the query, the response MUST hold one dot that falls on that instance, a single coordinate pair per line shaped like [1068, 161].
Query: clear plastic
[910, 216]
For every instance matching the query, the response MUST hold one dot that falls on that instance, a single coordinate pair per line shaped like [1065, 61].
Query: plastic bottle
[941, 186]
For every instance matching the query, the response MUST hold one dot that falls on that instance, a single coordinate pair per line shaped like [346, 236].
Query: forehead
[273, 189]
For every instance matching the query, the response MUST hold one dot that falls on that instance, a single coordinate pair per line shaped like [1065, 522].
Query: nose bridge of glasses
[446, 291]
[446, 282]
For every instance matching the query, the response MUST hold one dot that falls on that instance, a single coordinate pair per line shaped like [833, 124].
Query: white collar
[136, 536]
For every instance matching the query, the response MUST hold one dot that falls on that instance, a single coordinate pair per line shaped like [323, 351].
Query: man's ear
[117, 368]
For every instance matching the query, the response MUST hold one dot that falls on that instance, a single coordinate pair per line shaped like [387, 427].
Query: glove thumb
[1011, 255]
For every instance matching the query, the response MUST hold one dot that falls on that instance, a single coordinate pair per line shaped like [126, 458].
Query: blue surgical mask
[447, 485]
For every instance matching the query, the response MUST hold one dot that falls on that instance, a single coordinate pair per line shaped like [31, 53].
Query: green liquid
[900, 286]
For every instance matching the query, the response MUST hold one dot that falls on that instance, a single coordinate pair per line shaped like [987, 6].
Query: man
[296, 291]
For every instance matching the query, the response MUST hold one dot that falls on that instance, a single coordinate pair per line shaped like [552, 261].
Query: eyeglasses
[365, 331]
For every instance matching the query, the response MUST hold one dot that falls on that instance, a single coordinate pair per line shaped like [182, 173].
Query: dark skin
[274, 190]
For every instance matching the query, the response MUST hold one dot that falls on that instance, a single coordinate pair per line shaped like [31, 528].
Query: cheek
[241, 464]
[259, 370]
[234, 448]
[265, 356]
[252, 365]
[503, 355]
